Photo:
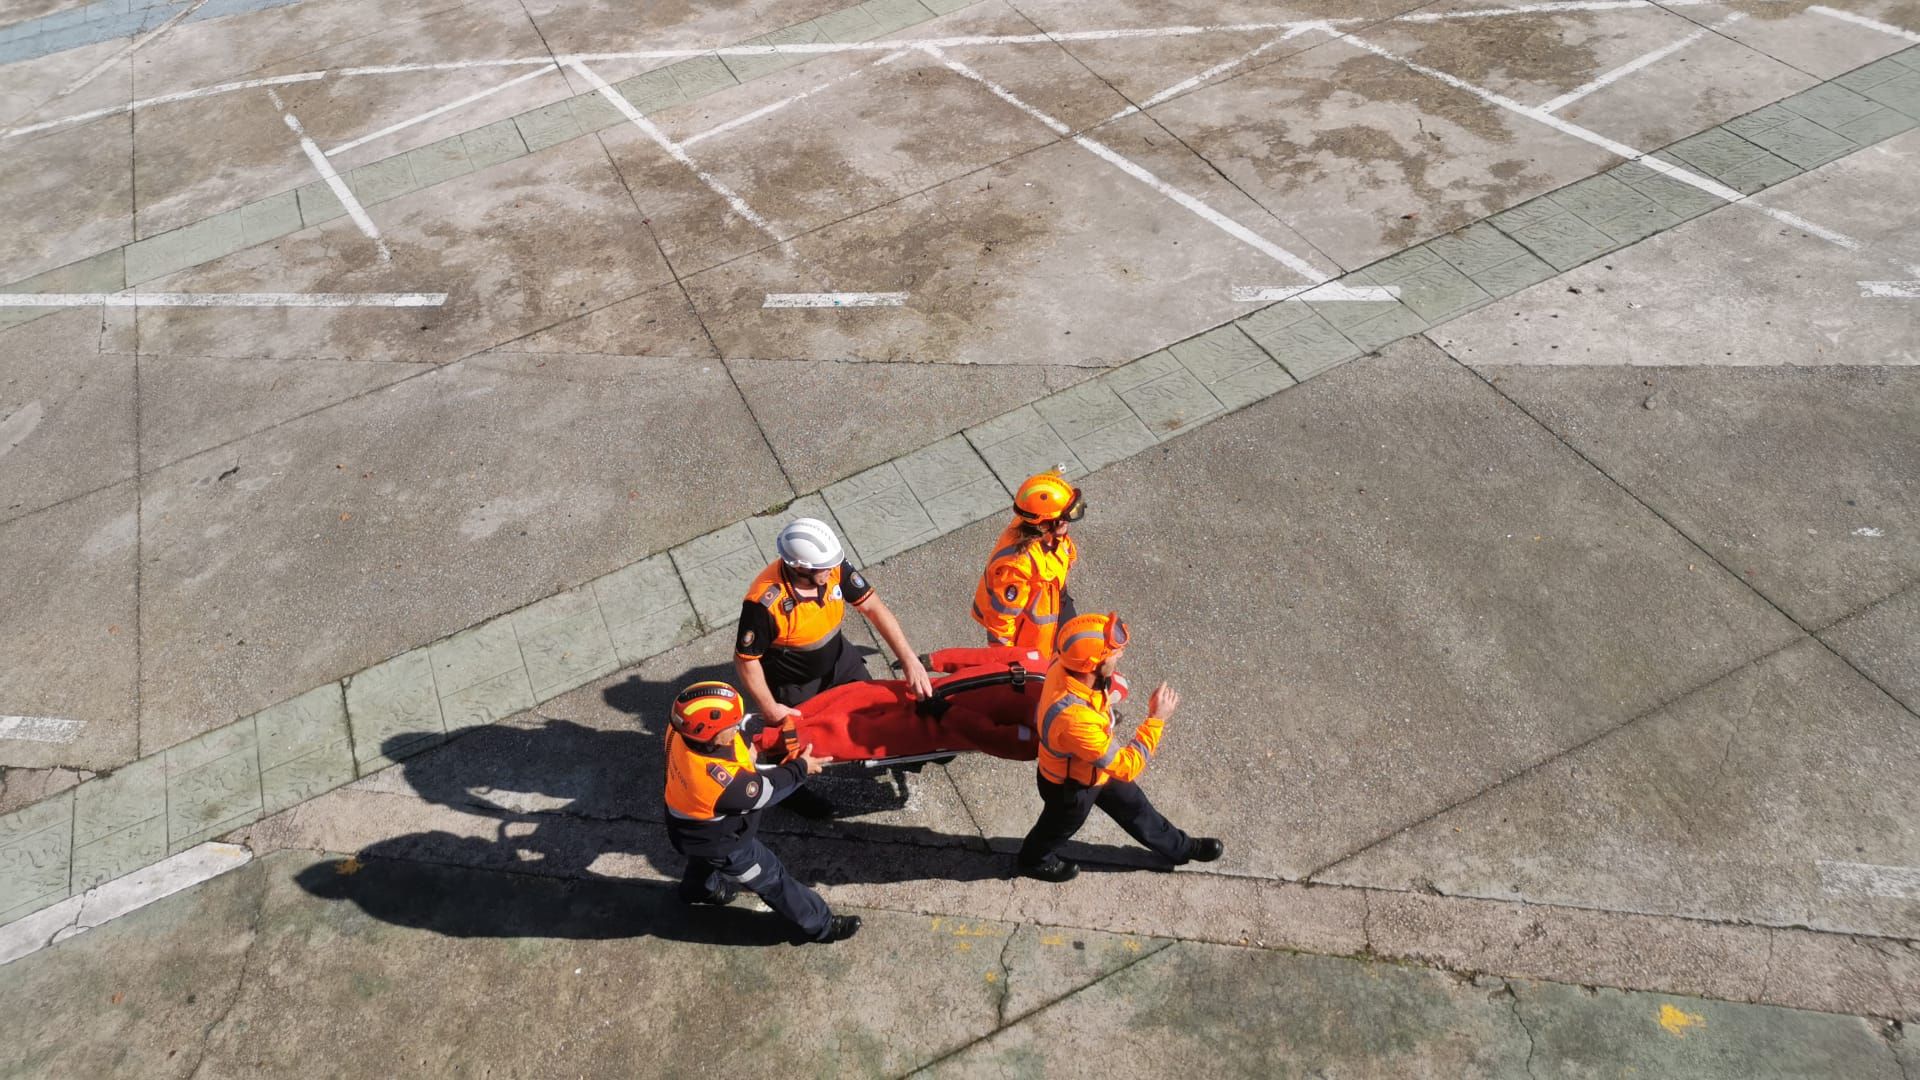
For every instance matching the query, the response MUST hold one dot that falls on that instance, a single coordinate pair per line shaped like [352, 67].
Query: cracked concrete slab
[1879, 642]
[69, 195]
[1802, 481]
[69, 632]
[66, 413]
[338, 500]
[1374, 654]
[1724, 806]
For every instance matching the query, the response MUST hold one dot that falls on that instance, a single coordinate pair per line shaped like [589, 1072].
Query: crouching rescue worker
[715, 794]
[789, 647]
[1082, 765]
[1022, 595]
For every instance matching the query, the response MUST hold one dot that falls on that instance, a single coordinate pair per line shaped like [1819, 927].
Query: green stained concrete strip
[326, 737]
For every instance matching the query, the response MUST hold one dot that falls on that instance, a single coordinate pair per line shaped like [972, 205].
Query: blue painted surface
[105, 20]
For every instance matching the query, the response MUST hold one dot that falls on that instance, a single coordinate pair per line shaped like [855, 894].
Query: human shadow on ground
[564, 812]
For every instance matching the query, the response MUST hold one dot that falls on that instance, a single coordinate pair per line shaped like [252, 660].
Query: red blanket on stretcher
[983, 700]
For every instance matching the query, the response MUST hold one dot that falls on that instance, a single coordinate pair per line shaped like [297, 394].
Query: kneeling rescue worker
[714, 796]
[1022, 595]
[1082, 765]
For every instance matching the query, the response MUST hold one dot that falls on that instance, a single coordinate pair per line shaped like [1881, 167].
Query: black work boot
[1052, 868]
[717, 899]
[1206, 849]
[839, 928]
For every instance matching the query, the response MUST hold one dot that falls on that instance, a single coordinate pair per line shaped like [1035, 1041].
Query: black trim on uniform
[755, 632]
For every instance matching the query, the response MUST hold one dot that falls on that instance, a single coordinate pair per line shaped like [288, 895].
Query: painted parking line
[1110, 156]
[332, 178]
[774, 107]
[835, 300]
[441, 110]
[1868, 880]
[673, 149]
[825, 48]
[1871, 24]
[1891, 290]
[46, 729]
[1691, 179]
[1208, 75]
[1647, 59]
[102, 904]
[1332, 291]
[262, 300]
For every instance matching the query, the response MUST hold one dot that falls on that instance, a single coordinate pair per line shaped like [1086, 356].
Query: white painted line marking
[1207, 213]
[1331, 291]
[1869, 532]
[47, 729]
[1891, 290]
[164, 99]
[339, 186]
[321, 300]
[132, 47]
[770, 109]
[1208, 75]
[827, 48]
[102, 904]
[1862, 20]
[834, 299]
[1866, 879]
[441, 110]
[1711, 187]
[1638, 62]
[679, 154]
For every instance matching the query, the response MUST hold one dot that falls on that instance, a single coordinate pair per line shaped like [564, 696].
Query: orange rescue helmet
[1087, 640]
[1047, 497]
[705, 709]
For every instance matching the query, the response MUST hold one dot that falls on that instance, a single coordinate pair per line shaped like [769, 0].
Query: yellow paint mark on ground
[993, 976]
[348, 866]
[1132, 945]
[1054, 939]
[963, 946]
[1677, 1021]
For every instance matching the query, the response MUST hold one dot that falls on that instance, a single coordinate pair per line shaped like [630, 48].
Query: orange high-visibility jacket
[1018, 598]
[798, 624]
[1075, 722]
[695, 781]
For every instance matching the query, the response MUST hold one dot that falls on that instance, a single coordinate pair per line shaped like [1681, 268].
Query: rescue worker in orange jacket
[714, 796]
[1083, 765]
[1022, 595]
[788, 646]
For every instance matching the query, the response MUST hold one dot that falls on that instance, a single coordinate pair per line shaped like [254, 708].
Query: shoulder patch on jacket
[720, 774]
[767, 598]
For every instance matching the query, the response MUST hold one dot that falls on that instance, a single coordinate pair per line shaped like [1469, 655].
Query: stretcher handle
[936, 705]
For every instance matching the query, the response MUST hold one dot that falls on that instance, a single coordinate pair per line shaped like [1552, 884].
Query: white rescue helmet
[808, 544]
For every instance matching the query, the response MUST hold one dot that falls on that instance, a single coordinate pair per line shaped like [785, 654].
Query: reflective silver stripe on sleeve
[1053, 711]
[766, 793]
[999, 605]
[1013, 549]
[1106, 759]
[1084, 635]
[746, 875]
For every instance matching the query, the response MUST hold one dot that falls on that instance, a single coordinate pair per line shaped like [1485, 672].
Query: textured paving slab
[1385, 654]
[1727, 802]
[53, 216]
[1811, 490]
